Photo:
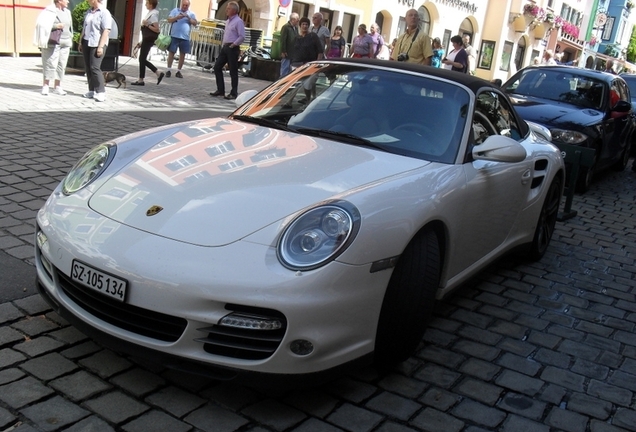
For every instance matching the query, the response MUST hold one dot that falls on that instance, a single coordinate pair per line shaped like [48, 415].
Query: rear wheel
[547, 220]
[409, 300]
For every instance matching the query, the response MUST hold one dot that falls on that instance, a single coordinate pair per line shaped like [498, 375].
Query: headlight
[318, 236]
[567, 136]
[88, 168]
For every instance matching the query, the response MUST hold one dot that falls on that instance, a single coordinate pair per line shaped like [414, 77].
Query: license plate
[104, 283]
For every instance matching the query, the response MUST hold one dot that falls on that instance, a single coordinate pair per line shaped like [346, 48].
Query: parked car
[295, 236]
[630, 79]
[581, 107]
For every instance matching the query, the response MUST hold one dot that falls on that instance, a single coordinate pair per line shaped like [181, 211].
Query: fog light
[301, 347]
[251, 322]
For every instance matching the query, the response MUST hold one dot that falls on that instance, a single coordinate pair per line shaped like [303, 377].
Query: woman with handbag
[149, 33]
[54, 37]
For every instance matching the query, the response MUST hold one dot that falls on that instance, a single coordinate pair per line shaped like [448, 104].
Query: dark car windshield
[402, 113]
[561, 86]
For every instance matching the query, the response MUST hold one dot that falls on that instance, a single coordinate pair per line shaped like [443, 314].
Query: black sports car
[580, 107]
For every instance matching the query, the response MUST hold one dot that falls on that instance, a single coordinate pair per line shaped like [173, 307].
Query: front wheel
[547, 220]
[586, 175]
[409, 300]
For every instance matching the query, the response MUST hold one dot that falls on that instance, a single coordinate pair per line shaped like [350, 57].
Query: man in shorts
[181, 20]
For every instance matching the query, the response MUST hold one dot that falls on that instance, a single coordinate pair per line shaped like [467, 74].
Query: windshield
[390, 110]
[561, 86]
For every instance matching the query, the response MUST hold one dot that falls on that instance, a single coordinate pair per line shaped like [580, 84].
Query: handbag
[163, 41]
[148, 35]
[54, 38]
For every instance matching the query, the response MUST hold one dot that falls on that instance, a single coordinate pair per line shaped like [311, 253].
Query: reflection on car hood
[555, 114]
[217, 180]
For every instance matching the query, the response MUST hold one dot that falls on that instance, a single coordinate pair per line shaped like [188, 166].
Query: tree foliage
[631, 48]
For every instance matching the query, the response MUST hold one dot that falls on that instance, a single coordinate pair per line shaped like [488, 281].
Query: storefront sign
[409, 3]
[463, 5]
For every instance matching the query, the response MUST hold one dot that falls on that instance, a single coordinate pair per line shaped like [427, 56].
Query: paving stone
[233, 396]
[7, 419]
[49, 366]
[438, 337]
[38, 346]
[472, 318]
[519, 364]
[311, 401]
[351, 390]
[441, 356]
[9, 313]
[392, 405]
[553, 393]
[563, 378]
[32, 305]
[355, 419]
[532, 322]
[480, 335]
[544, 339]
[9, 357]
[625, 418]
[10, 374]
[174, 400]
[617, 395]
[80, 385]
[92, 424]
[276, 414]
[116, 407]
[480, 369]
[156, 421]
[138, 382]
[23, 392]
[432, 420]
[478, 350]
[521, 348]
[519, 382]
[316, 425]
[588, 405]
[602, 343]
[105, 363]
[68, 335]
[33, 326]
[566, 420]
[522, 405]
[566, 333]
[55, 413]
[599, 426]
[437, 375]
[212, 418]
[478, 413]
[479, 390]
[402, 385]
[579, 350]
[622, 379]
[81, 350]
[440, 399]
[9, 336]
[590, 369]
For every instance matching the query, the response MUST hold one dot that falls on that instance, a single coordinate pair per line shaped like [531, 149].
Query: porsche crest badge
[153, 210]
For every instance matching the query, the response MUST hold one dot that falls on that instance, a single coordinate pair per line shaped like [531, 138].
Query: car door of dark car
[617, 125]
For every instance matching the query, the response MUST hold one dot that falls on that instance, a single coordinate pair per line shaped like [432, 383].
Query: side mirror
[498, 148]
[621, 109]
[244, 97]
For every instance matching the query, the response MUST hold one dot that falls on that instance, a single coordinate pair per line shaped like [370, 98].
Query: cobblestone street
[541, 347]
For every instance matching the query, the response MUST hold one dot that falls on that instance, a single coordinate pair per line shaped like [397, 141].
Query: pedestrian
[337, 44]
[362, 45]
[548, 58]
[307, 47]
[609, 66]
[181, 20]
[413, 46]
[470, 51]
[378, 40]
[93, 44]
[55, 20]
[288, 34]
[322, 31]
[438, 53]
[457, 59]
[233, 37]
[149, 33]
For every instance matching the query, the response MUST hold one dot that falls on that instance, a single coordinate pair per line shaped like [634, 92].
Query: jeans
[285, 66]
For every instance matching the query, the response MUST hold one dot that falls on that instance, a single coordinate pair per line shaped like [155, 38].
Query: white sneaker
[60, 91]
[100, 97]
[89, 95]
[45, 90]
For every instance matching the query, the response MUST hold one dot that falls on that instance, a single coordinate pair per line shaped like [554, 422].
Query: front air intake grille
[241, 343]
[144, 322]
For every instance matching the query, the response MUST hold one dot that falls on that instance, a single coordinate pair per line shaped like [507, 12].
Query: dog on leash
[115, 76]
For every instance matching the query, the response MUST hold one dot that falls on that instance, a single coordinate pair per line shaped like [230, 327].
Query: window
[231, 164]
[197, 176]
[181, 163]
[493, 116]
[220, 149]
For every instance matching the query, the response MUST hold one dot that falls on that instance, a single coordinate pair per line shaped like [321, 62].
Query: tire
[621, 164]
[547, 220]
[409, 300]
[586, 175]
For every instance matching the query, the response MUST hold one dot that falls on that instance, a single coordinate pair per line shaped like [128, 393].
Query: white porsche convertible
[313, 227]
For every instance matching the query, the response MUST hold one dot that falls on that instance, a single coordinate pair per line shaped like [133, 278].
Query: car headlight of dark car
[567, 136]
[88, 168]
[318, 236]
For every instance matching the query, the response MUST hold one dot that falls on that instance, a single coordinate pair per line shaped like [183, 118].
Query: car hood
[555, 114]
[216, 181]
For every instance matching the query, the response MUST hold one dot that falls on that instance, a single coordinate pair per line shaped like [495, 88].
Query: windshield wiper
[340, 136]
[262, 122]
